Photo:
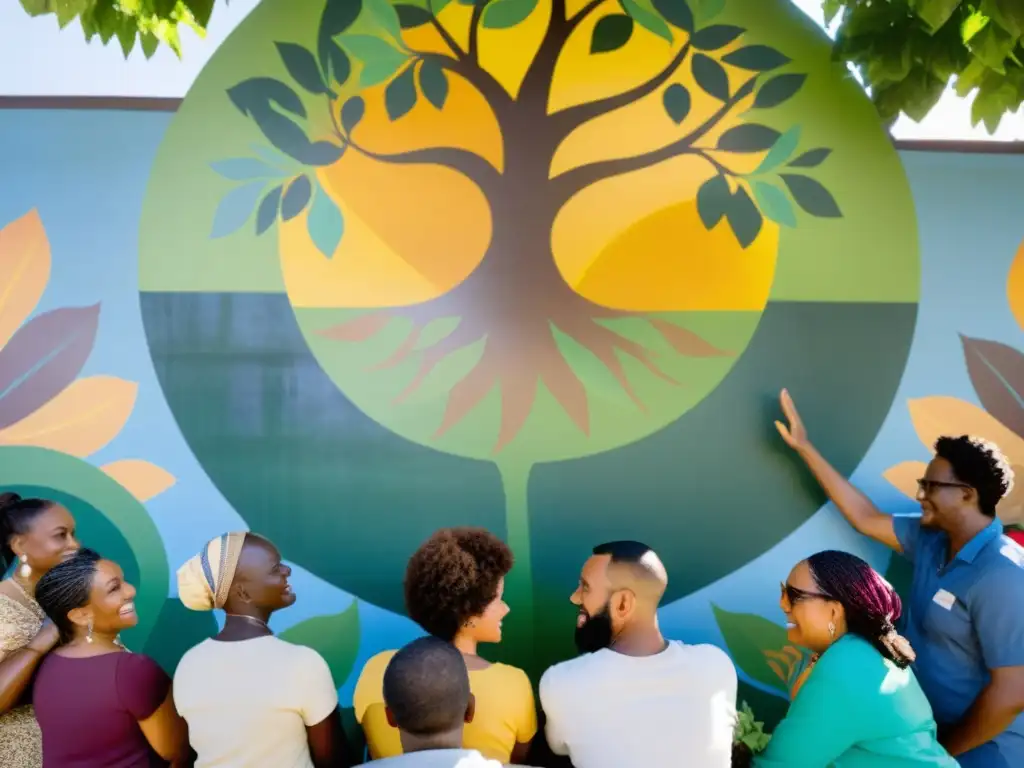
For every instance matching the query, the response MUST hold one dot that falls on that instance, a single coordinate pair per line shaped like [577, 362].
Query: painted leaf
[645, 15]
[997, 374]
[386, 18]
[504, 14]
[302, 66]
[812, 196]
[24, 271]
[296, 198]
[352, 112]
[267, 213]
[715, 37]
[380, 59]
[140, 478]
[79, 421]
[705, 10]
[779, 90]
[434, 83]
[338, 65]
[235, 208]
[412, 16]
[335, 638]
[1015, 287]
[611, 33]
[258, 93]
[940, 415]
[710, 76]
[744, 218]
[904, 476]
[325, 223]
[774, 203]
[676, 12]
[400, 95]
[42, 358]
[244, 169]
[337, 17]
[781, 150]
[747, 637]
[812, 158]
[713, 198]
[757, 58]
[676, 100]
[749, 137]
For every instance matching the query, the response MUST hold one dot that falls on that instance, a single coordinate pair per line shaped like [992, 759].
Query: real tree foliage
[907, 51]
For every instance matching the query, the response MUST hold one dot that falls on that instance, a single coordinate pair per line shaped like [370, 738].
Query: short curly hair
[981, 465]
[453, 577]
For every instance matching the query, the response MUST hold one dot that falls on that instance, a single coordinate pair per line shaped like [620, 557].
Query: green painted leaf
[744, 218]
[715, 37]
[781, 150]
[779, 89]
[337, 17]
[812, 196]
[713, 198]
[749, 137]
[400, 95]
[334, 637]
[302, 66]
[266, 214]
[812, 158]
[325, 223]
[677, 102]
[504, 14]
[257, 93]
[710, 76]
[611, 33]
[412, 16]
[352, 112]
[380, 59]
[434, 83]
[747, 637]
[296, 198]
[774, 203]
[935, 13]
[645, 15]
[705, 10]
[677, 13]
[385, 17]
[338, 64]
[757, 58]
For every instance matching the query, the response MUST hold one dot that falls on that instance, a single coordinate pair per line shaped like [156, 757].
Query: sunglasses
[927, 486]
[795, 595]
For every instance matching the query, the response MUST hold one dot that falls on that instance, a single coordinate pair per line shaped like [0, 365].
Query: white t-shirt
[248, 703]
[608, 710]
[440, 758]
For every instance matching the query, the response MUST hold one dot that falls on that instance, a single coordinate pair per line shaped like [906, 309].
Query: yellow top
[505, 711]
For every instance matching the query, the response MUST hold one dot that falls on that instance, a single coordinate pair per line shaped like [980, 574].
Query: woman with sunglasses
[858, 705]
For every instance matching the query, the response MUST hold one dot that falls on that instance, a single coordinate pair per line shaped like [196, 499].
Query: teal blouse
[856, 710]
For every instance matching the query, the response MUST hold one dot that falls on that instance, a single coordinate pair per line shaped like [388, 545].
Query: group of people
[939, 684]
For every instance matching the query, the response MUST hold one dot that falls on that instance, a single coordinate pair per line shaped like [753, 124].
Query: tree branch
[569, 183]
[455, 48]
[583, 12]
[536, 85]
[474, 29]
[571, 118]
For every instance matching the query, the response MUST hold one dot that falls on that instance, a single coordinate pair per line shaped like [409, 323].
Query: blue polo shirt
[963, 619]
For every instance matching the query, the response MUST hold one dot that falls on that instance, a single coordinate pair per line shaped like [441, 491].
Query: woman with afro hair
[453, 589]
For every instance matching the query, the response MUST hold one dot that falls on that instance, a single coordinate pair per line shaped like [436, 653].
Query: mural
[532, 266]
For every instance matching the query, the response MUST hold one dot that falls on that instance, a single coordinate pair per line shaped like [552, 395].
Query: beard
[596, 632]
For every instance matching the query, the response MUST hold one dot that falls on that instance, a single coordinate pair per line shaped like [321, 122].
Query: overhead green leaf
[412, 16]
[774, 203]
[380, 59]
[749, 137]
[302, 66]
[812, 158]
[715, 37]
[781, 150]
[611, 33]
[266, 214]
[400, 95]
[352, 112]
[434, 83]
[296, 197]
[812, 196]
[676, 100]
[710, 76]
[676, 12]
[778, 89]
[935, 13]
[744, 218]
[644, 14]
[713, 198]
[504, 14]
[757, 58]
[993, 45]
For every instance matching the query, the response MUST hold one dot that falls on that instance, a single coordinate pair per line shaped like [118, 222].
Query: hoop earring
[88, 632]
[25, 571]
[832, 632]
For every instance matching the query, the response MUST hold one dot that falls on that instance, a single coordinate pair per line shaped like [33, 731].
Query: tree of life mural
[526, 234]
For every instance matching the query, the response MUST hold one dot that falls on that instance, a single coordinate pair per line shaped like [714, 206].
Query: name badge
[946, 599]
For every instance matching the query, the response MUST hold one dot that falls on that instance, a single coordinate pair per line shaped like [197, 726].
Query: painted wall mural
[537, 265]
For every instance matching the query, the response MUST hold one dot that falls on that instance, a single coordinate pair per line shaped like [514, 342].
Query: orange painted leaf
[941, 415]
[140, 478]
[358, 328]
[777, 669]
[80, 420]
[793, 652]
[904, 476]
[778, 656]
[24, 271]
[1015, 287]
[685, 341]
[997, 373]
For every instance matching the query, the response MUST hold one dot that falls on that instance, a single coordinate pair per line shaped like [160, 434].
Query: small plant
[749, 737]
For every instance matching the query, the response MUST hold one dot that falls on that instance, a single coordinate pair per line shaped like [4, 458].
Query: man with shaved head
[632, 697]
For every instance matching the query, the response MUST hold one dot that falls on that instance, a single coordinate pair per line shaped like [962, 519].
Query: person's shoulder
[708, 657]
[565, 674]
[298, 656]
[376, 665]
[508, 673]
[137, 663]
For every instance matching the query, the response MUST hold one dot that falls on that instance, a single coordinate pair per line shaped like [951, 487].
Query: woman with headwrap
[249, 697]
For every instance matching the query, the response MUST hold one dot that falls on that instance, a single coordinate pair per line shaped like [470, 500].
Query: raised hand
[794, 433]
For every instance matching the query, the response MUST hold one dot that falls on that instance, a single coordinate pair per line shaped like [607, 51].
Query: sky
[36, 58]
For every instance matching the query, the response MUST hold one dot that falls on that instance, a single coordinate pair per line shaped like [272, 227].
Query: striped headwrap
[205, 580]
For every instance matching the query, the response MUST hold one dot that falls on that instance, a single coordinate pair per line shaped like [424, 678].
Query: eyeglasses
[795, 595]
[927, 486]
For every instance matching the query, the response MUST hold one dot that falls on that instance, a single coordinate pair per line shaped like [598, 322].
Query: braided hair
[981, 465]
[871, 604]
[16, 516]
[65, 587]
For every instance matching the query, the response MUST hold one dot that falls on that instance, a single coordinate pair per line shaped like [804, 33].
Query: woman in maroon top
[99, 705]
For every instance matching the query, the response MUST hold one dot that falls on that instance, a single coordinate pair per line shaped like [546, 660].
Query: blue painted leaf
[302, 66]
[400, 95]
[504, 14]
[611, 33]
[757, 58]
[713, 198]
[812, 196]
[811, 158]
[778, 90]
[276, 159]
[749, 137]
[296, 198]
[412, 16]
[647, 17]
[352, 112]
[244, 169]
[380, 59]
[434, 83]
[781, 150]
[774, 203]
[676, 12]
[744, 218]
[676, 100]
[325, 223]
[715, 37]
[266, 215]
[710, 76]
[235, 208]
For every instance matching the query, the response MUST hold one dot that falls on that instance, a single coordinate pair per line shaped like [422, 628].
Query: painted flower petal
[24, 271]
[140, 478]
[936, 416]
[905, 476]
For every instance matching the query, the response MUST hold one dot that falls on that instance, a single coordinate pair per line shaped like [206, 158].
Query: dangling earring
[832, 631]
[25, 571]
[88, 632]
